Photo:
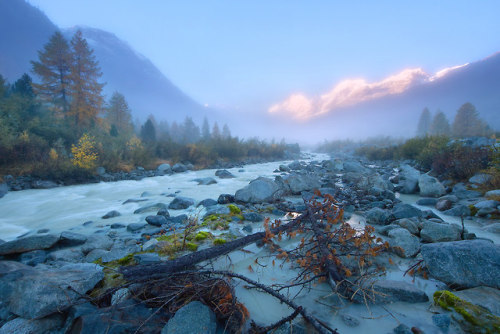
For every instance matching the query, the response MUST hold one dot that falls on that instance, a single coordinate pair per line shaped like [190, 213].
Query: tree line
[467, 123]
[61, 124]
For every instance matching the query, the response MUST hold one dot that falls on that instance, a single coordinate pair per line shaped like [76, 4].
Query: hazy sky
[250, 54]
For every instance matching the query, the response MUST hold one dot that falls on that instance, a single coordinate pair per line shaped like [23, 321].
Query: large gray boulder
[403, 210]
[430, 186]
[179, 168]
[180, 203]
[26, 244]
[403, 243]
[259, 190]
[492, 193]
[35, 293]
[299, 183]
[164, 168]
[388, 291]
[224, 174]
[408, 179]
[439, 232]
[467, 263]
[377, 216]
[152, 207]
[33, 326]
[354, 166]
[195, 317]
[480, 178]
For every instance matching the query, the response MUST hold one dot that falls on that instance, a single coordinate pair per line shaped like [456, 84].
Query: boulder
[427, 201]
[179, 168]
[489, 204]
[164, 168]
[225, 199]
[403, 243]
[299, 183]
[180, 203]
[483, 296]
[73, 255]
[224, 174]
[408, 224]
[388, 291]
[35, 293]
[69, 238]
[253, 217]
[439, 232]
[194, 317]
[458, 210]
[156, 220]
[467, 263]
[41, 184]
[33, 326]
[461, 191]
[444, 204]
[207, 202]
[147, 258]
[97, 241]
[133, 227]
[296, 165]
[492, 193]
[480, 178]
[430, 186]
[100, 171]
[354, 166]
[205, 181]
[283, 168]
[34, 257]
[377, 216]
[152, 207]
[402, 210]
[408, 179]
[259, 190]
[29, 243]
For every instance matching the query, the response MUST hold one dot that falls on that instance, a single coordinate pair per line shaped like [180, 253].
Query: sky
[247, 55]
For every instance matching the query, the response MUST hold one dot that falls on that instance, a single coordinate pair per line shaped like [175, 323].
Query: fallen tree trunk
[156, 270]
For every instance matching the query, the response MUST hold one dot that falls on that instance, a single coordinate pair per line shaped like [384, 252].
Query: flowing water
[67, 208]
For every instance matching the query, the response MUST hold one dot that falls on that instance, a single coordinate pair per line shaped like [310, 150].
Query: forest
[60, 125]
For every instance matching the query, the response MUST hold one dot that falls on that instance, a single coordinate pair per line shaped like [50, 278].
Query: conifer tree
[467, 122]
[86, 90]
[440, 125]
[118, 113]
[424, 123]
[205, 129]
[53, 68]
[215, 131]
[226, 133]
[148, 132]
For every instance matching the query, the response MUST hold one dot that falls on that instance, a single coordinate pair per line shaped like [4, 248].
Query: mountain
[358, 109]
[24, 30]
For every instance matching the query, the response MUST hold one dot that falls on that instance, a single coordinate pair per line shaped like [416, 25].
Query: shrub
[84, 153]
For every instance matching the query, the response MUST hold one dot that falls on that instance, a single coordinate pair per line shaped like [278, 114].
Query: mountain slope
[397, 113]
[24, 30]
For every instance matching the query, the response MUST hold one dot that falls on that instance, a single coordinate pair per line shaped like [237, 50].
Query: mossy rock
[472, 318]
[218, 222]
[191, 246]
[202, 235]
[473, 210]
[234, 209]
[219, 241]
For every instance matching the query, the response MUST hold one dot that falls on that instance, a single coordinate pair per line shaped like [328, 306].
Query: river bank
[66, 232]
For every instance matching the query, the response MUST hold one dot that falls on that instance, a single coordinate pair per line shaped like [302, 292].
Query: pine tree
[4, 87]
[53, 68]
[215, 131]
[191, 132]
[86, 90]
[467, 122]
[148, 132]
[118, 113]
[23, 86]
[424, 123]
[205, 130]
[226, 133]
[440, 125]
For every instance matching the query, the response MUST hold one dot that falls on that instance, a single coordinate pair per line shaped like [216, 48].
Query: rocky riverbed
[62, 245]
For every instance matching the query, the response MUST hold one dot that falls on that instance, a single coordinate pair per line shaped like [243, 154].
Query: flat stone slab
[29, 243]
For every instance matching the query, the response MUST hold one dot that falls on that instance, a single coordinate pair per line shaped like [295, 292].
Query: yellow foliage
[84, 153]
[134, 143]
[53, 154]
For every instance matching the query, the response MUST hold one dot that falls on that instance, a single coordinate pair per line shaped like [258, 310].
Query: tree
[86, 90]
[118, 113]
[53, 68]
[424, 123]
[215, 131]
[84, 153]
[467, 122]
[4, 87]
[226, 133]
[191, 132]
[148, 132]
[440, 125]
[23, 86]
[205, 130]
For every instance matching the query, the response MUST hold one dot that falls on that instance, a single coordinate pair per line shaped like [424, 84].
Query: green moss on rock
[234, 209]
[202, 235]
[472, 318]
[219, 241]
[191, 246]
